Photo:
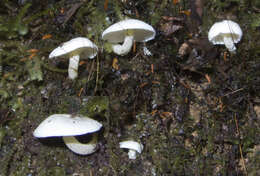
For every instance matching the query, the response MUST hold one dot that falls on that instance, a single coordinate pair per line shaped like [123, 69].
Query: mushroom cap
[66, 125]
[132, 145]
[76, 46]
[82, 149]
[225, 28]
[141, 31]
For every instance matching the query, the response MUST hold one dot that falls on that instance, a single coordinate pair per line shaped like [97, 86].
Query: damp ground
[194, 106]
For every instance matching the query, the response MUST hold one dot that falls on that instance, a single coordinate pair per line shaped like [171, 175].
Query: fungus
[225, 32]
[74, 48]
[127, 31]
[68, 126]
[133, 148]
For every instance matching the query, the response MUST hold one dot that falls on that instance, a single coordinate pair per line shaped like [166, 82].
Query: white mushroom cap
[133, 147]
[226, 29]
[75, 47]
[141, 31]
[66, 125]
[82, 149]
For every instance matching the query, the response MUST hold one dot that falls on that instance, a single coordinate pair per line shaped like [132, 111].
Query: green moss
[34, 69]
[56, 171]
[95, 105]
[3, 93]
[11, 27]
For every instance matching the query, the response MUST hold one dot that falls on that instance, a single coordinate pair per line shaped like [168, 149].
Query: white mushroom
[133, 148]
[225, 32]
[127, 31]
[73, 49]
[67, 126]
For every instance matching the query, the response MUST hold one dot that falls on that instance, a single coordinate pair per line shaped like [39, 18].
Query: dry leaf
[184, 50]
[134, 47]
[82, 62]
[143, 84]
[62, 10]
[32, 55]
[175, 2]
[225, 56]
[155, 82]
[169, 18]
[47, 36]
[32, 50]
[208, 78]
[80, 92]
[115, 64]
[165, 114]
[125, 76]
[169, 28]
[186, 12]
[105, 4]
[154, 112]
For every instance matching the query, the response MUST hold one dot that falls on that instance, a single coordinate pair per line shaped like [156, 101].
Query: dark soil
[194, 106]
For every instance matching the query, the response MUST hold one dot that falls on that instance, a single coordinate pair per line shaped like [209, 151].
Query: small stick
[97, 74]
[240, 148]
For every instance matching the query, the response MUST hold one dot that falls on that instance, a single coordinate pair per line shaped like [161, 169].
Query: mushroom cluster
[122, 36]
[126, 31]
[68, 127]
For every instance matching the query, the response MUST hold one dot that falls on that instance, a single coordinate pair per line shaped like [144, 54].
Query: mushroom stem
[229, 43]
[73, 67]
[82, 149]
[125, 47]
[131, 154]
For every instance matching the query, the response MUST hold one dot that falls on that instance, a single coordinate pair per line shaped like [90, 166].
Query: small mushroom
[73, 49]
[127, 31]
[225, 32]
[133, 148]
[68, 126]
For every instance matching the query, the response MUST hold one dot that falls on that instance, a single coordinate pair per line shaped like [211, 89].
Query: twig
[97, 74]
[240, 148]
[233, 92]
[91, 70]
[71, 12]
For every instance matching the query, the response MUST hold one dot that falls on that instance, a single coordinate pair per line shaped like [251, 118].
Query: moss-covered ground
[196, 110]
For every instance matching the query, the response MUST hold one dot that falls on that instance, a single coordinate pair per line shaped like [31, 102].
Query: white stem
[73, 67]
[125, 47]
[131, 154]
[82, 149]
[228, 41]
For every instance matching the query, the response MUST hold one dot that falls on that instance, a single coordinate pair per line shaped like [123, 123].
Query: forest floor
[194, 106]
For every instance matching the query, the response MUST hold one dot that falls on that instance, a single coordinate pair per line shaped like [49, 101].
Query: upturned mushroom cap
[141, 31]
[76, 46]
[66, 125]
[226, 28]
[132, 145]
